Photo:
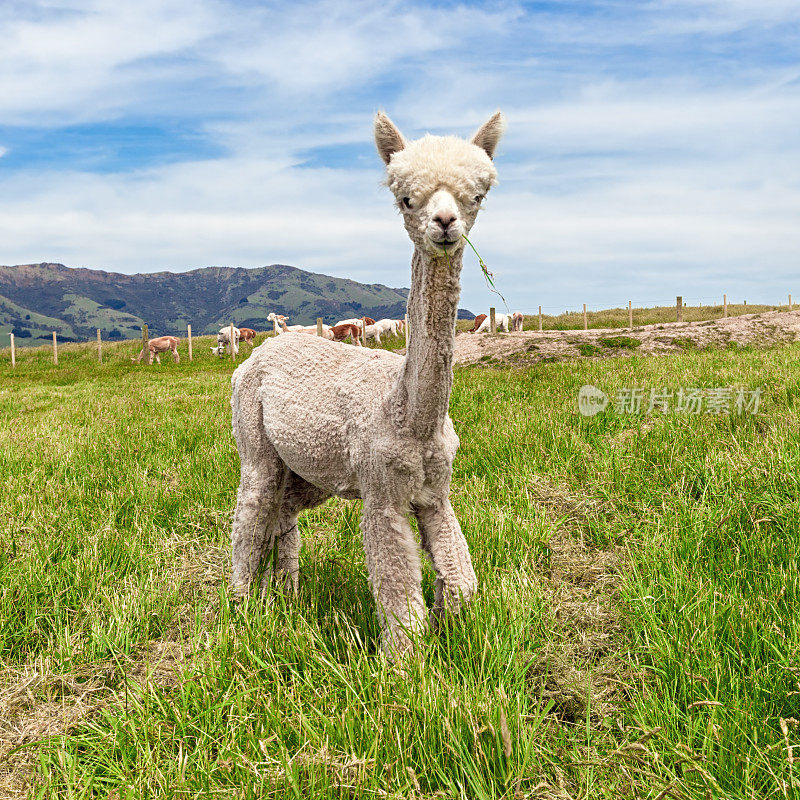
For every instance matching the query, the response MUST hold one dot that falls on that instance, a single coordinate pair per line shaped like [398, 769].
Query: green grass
[637, 629]
[619, 342]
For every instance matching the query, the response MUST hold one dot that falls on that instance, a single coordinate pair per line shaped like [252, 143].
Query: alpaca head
[439, 181]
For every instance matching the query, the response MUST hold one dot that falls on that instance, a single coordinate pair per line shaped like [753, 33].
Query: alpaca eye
[407, 202]
[479, 198]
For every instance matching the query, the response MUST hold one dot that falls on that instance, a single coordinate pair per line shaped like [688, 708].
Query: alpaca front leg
[444, 542]
[394, 570]
[254, 522]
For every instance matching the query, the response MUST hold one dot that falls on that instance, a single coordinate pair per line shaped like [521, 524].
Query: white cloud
[622, 177]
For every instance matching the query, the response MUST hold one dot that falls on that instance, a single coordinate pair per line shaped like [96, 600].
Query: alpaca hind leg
[297, 496]
[255, 520]
[263, 477]
[447, 548]
[393, 563]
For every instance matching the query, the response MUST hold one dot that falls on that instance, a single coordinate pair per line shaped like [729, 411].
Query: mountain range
[37, 299]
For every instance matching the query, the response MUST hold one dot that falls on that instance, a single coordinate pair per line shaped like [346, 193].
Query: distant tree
[27, 316]
[275, 294]
[242, 301]
[116, 304]
[114, 334]
[20, 333]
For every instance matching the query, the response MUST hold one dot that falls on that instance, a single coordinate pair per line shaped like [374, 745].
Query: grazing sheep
[161, 344]
[314, 418]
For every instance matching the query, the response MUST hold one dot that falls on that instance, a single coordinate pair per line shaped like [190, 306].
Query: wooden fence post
[679, 309]
[233, 342]
[13, 352]
[319, 326]
[492, 320]
[790, 302]
[55, 349]
[146, 355]
[99, 347]
[630, 314]
[189, 337]
[724, 305]
[364, 331]
[540, 317]
[275, 326]
[585, 319]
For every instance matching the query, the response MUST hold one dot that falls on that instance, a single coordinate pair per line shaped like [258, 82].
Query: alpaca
[387, 326]
[314, 418]
[341, 332]
[247, 335]
[501, 321]
[161, 344]
[373, 332]
[517, 321]
[224, 341]
[280, 323]
[479, 320]
[309, 329]
[357, 321]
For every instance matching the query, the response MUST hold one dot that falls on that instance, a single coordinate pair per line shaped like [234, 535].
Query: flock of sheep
[353, 329]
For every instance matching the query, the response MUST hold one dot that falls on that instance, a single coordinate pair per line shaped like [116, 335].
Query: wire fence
[161, 345]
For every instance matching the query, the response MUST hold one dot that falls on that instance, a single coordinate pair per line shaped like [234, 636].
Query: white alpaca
[502, 321]
[387, 327]
[224, 341]
[314, 418]
[517, 321]
[309, 329]
[281, 326]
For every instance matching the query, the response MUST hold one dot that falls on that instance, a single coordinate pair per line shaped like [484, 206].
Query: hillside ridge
[37, 299]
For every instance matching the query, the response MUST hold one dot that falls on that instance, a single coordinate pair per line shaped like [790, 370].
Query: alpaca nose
[445, 219]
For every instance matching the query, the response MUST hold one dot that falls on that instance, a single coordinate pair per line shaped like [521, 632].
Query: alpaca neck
[423, 387]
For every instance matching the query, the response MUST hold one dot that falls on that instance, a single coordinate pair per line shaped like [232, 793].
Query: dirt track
[762, 330]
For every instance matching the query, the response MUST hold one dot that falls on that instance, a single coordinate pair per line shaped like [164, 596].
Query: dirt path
[763, 330]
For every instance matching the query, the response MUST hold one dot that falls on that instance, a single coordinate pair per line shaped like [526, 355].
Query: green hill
[37, 299]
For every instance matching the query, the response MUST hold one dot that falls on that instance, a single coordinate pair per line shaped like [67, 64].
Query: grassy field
[636, 633]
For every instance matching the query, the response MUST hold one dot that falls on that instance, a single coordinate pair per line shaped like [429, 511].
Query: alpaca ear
[388, 139]
[490, 133]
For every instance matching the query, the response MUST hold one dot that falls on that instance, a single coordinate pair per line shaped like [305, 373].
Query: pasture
[636, 632]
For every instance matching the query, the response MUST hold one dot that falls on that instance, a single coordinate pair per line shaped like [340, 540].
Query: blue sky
[652, 147]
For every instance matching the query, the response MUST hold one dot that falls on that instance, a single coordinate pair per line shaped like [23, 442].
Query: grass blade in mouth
[488, 276]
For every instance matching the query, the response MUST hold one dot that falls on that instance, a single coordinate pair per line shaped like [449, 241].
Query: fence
[147, 357]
